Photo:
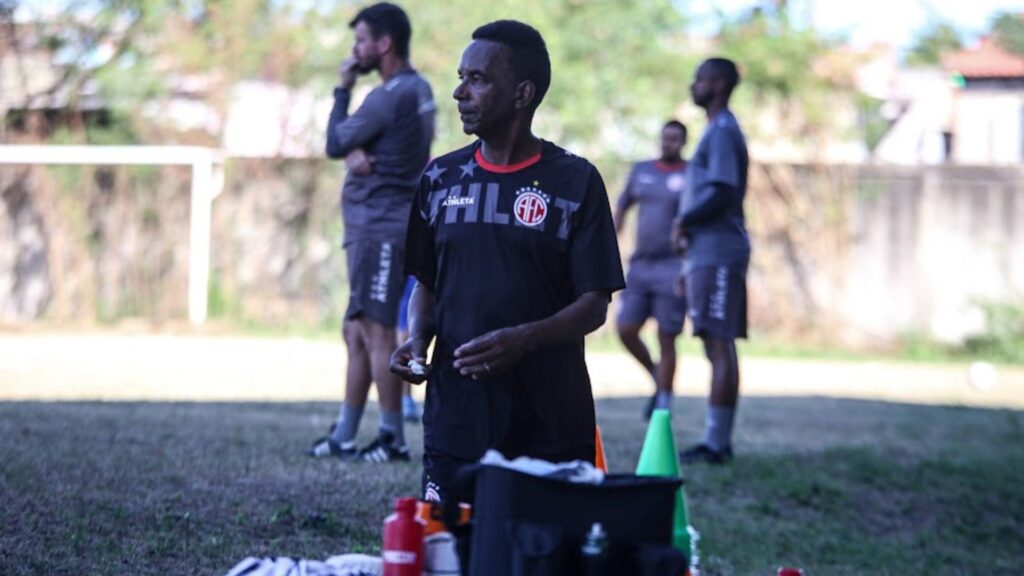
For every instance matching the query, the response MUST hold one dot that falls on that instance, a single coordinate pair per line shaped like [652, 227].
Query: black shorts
[717, 296]
[376, 280]
[441, 478]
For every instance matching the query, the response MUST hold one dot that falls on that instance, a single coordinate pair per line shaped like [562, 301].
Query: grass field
[831, 485]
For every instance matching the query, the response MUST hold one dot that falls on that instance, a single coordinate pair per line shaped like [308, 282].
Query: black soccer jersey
[502, 246]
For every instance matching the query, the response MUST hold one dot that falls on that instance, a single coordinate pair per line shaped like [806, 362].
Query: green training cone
[658, 457]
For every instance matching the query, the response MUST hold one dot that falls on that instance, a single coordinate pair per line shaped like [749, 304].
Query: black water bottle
[594, 552]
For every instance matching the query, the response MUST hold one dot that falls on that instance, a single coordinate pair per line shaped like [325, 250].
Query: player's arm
[412, 354]
[619, 218]
[346, 133]
[410, 359]
[709, 203]
[722, 188]
[498, 350]
[623, 203]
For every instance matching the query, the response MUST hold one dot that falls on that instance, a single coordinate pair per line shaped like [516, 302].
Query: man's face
[672, 142]
[486, 91]
[366, 49]
[704, 86]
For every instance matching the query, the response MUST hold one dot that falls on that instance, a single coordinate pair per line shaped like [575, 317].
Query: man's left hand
[359, 162]
[492, 353]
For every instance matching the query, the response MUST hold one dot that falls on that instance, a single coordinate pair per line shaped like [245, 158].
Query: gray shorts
[375, 280]
[718, 302]
[649, 292]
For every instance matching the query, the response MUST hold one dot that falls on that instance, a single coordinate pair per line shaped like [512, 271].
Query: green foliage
[620, 69]
[782, 70]
[616, 75]
[777, 58]
[1003, 339]
[872, 123]
[936, 40]
[1008, 29]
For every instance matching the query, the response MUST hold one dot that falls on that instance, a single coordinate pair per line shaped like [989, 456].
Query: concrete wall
[853, 253]
[927, 245]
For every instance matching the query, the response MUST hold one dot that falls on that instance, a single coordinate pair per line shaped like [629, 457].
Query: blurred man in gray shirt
[385, 144]
[655, 187]
[711, 229]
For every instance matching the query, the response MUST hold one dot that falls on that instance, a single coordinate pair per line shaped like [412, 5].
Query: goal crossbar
[207, 182]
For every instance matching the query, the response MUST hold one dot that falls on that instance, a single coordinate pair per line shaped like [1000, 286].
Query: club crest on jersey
[531, 206]
[675, 182]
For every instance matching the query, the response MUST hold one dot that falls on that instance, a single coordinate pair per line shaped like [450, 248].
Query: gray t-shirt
[712, 206]
[655, 188]
[394, 125]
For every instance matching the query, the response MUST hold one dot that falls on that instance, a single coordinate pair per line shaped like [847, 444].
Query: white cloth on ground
[344, 565]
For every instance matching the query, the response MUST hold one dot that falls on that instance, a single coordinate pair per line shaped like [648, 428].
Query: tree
[132, 53]
[785, 74]
[1008, 29]
[937, 39]
[618, 70]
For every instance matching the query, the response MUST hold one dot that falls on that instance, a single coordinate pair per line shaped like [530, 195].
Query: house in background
[988, 106]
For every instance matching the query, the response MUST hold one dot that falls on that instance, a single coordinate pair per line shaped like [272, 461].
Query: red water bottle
[403, 541]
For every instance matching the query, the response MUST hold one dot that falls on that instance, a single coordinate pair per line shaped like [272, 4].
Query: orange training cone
[599, 461]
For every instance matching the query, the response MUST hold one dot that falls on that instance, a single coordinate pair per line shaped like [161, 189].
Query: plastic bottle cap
[405, 505]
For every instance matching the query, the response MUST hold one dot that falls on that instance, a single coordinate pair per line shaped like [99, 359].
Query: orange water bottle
[402, 553]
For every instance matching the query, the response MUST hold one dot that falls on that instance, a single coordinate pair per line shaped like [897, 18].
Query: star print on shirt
[468, 168]
[435, 173]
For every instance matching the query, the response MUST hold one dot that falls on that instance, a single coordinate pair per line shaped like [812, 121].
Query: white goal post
[207, 182]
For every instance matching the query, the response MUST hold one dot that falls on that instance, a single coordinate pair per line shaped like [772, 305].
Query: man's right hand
[678, 236]
[349, 71]
[414, 350]
[679, 285]
[359, 162]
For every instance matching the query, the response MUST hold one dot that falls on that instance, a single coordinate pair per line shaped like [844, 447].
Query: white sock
[663, 399]
[718, 427]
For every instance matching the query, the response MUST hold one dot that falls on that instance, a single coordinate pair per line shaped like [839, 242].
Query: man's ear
[526, 91]
[384, 44]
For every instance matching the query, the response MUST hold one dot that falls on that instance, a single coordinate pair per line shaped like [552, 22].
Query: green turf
[833, 486]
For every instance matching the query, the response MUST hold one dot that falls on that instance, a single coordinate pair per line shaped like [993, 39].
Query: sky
[864, 22]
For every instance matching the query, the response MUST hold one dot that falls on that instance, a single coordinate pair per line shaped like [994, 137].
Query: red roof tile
[986, 60]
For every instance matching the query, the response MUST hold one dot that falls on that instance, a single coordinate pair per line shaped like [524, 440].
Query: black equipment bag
[526, 525]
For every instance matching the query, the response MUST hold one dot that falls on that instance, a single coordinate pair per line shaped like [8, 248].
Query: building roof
[986, 60]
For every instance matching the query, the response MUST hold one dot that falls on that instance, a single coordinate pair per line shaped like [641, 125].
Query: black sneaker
[327, 446]
[383, 449]
[704, 453]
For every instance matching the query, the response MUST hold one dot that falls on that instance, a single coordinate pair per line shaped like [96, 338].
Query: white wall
[928, 245]
[988, 127]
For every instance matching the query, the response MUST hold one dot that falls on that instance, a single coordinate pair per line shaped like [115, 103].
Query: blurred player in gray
[654, 187]
[385, 144]
[712, 230]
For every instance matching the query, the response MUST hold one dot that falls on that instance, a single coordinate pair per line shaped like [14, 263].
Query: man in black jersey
[514, 251]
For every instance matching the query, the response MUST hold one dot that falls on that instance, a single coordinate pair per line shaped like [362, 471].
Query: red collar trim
[667, 167]
[504, 168]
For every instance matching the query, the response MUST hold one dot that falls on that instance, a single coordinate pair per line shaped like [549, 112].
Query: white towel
[344, 565]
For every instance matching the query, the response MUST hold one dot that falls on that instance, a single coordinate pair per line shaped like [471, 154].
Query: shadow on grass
[834, 486]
